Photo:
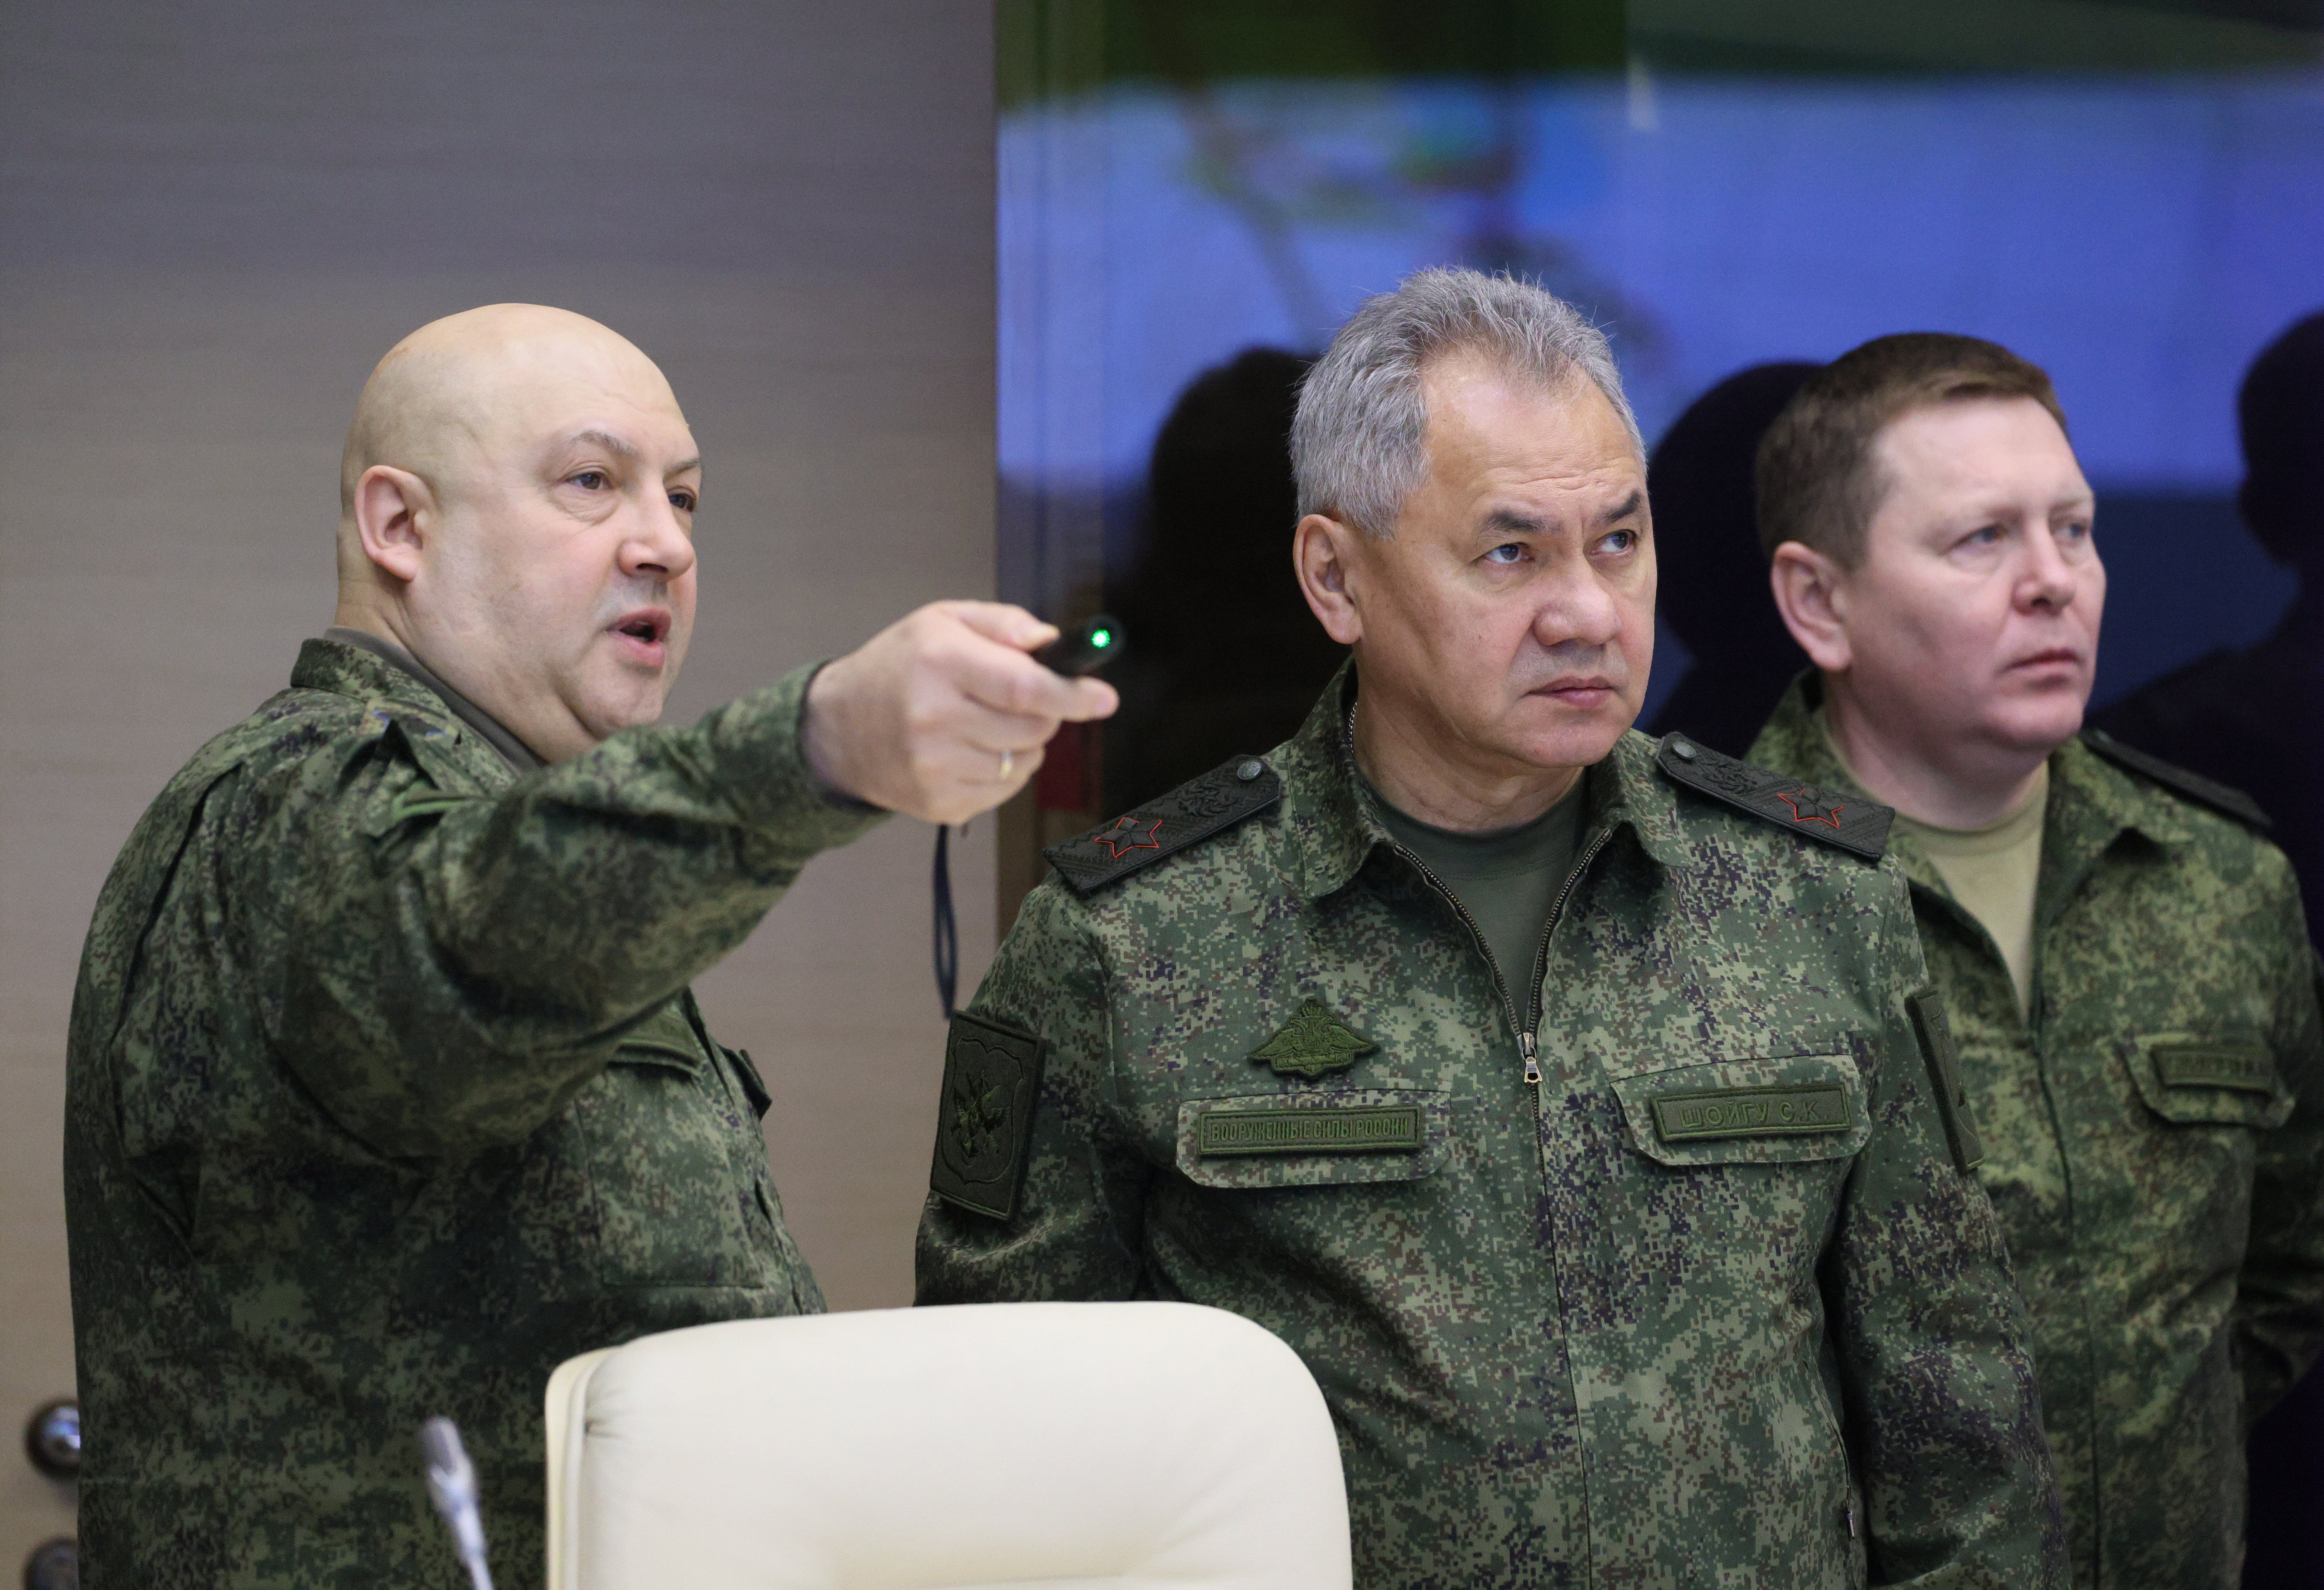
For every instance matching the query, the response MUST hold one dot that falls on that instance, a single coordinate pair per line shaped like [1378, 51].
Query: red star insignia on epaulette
[1822, 814]
[1123, 837]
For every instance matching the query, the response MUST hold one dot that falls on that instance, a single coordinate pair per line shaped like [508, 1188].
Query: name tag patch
[1349, 1129]
[1752, 1111]
[2244, 1068]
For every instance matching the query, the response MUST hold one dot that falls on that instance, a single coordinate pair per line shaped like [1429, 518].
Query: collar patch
[1312, 1043]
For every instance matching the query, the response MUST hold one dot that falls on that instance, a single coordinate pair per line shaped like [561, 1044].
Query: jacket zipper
[1532, 1039]
[1528, 1033]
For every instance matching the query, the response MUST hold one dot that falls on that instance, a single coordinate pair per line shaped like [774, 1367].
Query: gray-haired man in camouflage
[2131, 985]
[1557, 1094]
[387, 1092]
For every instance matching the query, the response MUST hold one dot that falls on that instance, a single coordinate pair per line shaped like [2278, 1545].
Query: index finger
[1004, 622]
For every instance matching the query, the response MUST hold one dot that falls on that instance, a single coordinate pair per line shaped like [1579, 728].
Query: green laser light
[1104, 637]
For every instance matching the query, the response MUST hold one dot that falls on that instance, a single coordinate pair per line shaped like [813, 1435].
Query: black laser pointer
[1086, 648]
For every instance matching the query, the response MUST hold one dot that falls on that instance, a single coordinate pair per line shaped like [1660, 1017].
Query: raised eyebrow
[1624, 509]
[617, 446]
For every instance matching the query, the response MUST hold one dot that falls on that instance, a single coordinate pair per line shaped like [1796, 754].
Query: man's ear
[1321, 550]
[1811, 593]
[395, 513]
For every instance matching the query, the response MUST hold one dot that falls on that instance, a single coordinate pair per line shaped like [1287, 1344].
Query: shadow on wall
[1711, 589]
[2252, 718]
[1226, 659]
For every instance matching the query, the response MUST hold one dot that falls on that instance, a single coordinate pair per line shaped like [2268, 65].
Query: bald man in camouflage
[386, 1091]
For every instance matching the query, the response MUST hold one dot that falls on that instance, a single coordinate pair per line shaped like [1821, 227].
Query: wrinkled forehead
[517, 401]
[1488, 424]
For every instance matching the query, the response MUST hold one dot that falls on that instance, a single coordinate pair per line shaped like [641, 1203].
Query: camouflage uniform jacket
[2162, 1192]
[385, 1095]
[1591, 1331]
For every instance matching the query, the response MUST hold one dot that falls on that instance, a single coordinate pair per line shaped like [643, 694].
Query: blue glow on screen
[2140, 237]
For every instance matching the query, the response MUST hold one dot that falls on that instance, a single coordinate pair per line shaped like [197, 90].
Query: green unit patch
[2244, 1067]
[993, 1072]
[1313, 1042]
[1752, 1111]
[1342, 1129]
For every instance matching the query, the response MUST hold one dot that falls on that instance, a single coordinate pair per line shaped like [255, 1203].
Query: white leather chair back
[1066, 1445]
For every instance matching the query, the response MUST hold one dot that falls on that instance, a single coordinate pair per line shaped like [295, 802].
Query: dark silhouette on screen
[2252, 719]
[1226, 658]
[1712, 579]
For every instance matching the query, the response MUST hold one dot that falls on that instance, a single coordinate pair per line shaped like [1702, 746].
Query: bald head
[453, 390]
[517, 500]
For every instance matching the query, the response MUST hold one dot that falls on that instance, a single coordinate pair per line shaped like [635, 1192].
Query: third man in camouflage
[2130, 989]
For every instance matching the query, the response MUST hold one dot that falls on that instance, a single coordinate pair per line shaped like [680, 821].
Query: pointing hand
[943, 715]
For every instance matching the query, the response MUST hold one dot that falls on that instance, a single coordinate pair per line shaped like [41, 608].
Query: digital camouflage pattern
[1563, 1345]
[2153, 1145]
[385, 1095]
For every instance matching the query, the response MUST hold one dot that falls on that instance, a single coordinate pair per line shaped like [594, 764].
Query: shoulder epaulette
[1853, 824]
[2195, 787]
[1194, 811]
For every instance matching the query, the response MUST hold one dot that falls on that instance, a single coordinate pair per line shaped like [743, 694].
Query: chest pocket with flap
[2190, 1081]
[1316, 1137]
[1792, 1109]
[674, 1159]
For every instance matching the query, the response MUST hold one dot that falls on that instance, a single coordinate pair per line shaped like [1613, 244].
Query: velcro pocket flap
[664, 1039]
[1787, 1110]
[1316, 1137]
[2191, 1080]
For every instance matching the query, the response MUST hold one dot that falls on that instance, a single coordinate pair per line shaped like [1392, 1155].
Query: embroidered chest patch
[1314, 1043]
[2244, 1068]
[1342, 1129]
[1781, 1111]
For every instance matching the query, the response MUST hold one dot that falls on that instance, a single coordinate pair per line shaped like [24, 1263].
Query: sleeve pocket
[1787, 1111]
[1324, 1137]
[2190, 1081]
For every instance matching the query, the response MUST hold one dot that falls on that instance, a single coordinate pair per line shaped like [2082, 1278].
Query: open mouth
[643, 633]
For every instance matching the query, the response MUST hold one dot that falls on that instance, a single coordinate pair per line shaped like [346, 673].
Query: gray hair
[1358, 444]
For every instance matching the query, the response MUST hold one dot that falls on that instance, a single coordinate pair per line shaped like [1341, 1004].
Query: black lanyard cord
[947, 948]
